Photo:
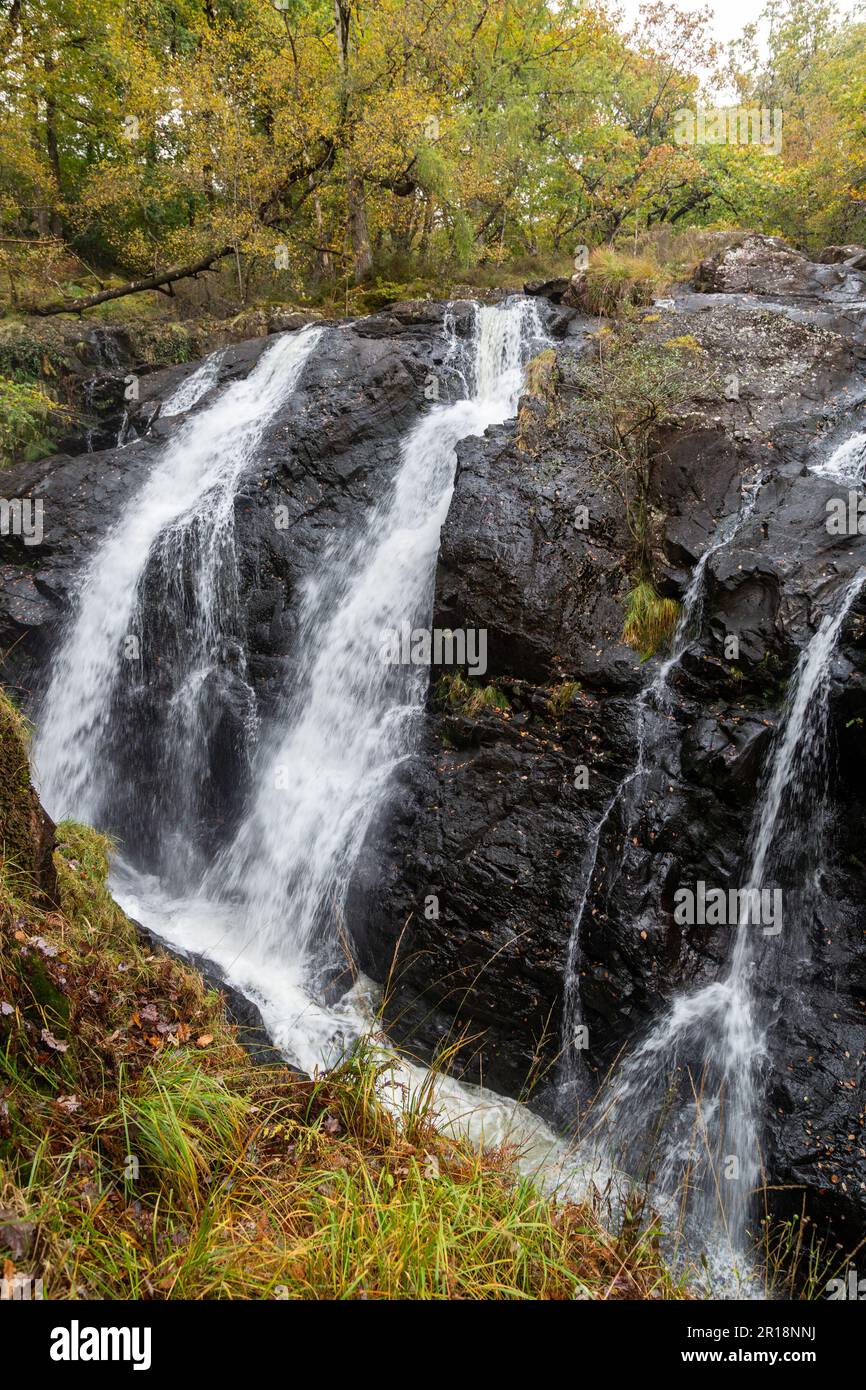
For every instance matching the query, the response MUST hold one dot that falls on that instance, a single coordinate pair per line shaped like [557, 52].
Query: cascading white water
[352, 716]
[685, 1105]
[269, 912]
[691, 611]
[653, 697]
[847, 463]
[157, 607]
[346, 723]
[196, 385]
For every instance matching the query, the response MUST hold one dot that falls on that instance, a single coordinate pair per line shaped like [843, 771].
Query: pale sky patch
[728, 18]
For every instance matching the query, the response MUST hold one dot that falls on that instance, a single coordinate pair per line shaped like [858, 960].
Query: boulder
[767, 266]
[851, 255]
[554, 290]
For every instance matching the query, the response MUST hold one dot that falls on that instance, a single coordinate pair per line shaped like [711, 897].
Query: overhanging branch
[151, 282]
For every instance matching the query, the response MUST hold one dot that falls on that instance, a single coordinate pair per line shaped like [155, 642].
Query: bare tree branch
[152, 282]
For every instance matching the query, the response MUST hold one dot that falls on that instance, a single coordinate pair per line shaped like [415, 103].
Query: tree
[343, 137]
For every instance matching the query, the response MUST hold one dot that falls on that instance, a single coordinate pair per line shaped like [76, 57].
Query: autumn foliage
[336, 141]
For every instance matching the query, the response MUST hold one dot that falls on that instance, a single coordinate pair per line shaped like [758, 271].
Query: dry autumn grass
[143, 1155]
[650, 620]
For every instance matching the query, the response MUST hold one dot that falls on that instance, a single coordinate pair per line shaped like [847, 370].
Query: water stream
[154, 662]
[653, 701]
[194, 387]
[352, 716]
[847, 462]
[153, 649]
[683, 1112]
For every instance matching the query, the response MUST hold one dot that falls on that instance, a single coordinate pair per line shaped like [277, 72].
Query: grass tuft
[650, 620]
[538, 406]
[467, 699]
[615, 281]
[561, 697]
[541, 375]
[687, 342]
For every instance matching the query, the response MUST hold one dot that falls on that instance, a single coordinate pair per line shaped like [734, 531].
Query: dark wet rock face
[467, 891]
[327, 455]
[325, 458]
[486, 848]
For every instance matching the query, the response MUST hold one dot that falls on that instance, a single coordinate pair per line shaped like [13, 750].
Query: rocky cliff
[491, 824]
[466, 895]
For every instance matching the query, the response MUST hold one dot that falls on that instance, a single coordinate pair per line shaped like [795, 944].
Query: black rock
[548, 289]
[467, 890]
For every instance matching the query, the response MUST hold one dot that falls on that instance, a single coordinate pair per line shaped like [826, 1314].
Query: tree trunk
[323, 255]
[362, 254]
[152, 282]
[53, 150]
[427, 228]
[359, 236]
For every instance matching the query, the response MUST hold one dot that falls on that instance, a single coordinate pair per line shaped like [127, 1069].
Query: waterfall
[691, 611]
[153, 648]
[655, 696]
[685, 1107]
[847, 463]
[196, 385]
[154, 654]
[352, 716]
[270, 908]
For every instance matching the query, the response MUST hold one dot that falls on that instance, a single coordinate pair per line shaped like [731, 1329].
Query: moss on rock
[26, 832]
